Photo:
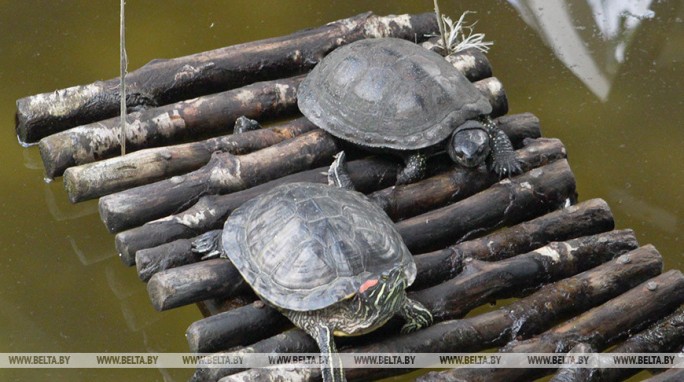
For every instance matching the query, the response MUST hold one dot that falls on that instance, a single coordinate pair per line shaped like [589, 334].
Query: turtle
[325, 256]
[394, 95]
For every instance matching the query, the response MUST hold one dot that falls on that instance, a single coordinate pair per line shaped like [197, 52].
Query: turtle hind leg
[415, 168]
[208, 245]
[415, 314]
[503, 160]
[244, 124]
[337, 173]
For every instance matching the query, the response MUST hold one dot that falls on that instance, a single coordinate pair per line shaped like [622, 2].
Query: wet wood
[213, 114]
[665, 336]
[508, 202]
[481, 283]
[111, 175]
[600, 327]
[521, 319]
[428, 194]
[555, 181]
[572, 373]
[436, 191]
[224, 173]
[586, 218]
[162, 82]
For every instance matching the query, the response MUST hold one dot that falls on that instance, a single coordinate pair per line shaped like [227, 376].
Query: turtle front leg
[415, 314]
[337, 173]
[503, 160]
[332, 371]
[415, 168]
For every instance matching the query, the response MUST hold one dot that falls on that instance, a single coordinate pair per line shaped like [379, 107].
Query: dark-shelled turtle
[326, 257]
[395, 95]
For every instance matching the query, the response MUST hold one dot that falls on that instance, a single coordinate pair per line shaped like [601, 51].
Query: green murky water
[611, 93]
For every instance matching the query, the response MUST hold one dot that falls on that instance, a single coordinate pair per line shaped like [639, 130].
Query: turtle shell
[389, 93]
[306, 246]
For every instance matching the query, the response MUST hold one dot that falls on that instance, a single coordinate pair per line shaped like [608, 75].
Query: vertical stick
[123, 66]
[440, 24]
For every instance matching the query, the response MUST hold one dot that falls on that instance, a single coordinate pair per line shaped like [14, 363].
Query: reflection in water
[640, 209]
[589, 38]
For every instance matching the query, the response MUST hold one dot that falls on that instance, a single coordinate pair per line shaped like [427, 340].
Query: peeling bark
[212, 114]
[146, 166]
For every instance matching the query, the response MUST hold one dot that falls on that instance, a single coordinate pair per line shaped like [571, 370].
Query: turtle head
[383, 290]
[469, 145]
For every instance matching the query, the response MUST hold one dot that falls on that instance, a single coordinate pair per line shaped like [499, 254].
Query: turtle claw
[208, 245]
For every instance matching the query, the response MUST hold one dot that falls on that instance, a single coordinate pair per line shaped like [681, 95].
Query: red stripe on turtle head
[368, 284]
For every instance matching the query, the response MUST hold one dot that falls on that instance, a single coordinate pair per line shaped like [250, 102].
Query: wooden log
[212, 114]
[506, 203]
[483, 282]
[520, 319]
[554, 181]
[196, 220]
[224, 173]
[586, 218]
[430, 193]
[665, 336]
[573, 373]
[161, 82]
[211, 211]
[101, 178]
[600, 327]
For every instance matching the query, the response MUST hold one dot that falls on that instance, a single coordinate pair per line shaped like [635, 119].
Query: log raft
[567, 278]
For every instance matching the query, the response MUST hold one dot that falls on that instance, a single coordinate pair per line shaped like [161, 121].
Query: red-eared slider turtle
[328, 258]
[394, 95]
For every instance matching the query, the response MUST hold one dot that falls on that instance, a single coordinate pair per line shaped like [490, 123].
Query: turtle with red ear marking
[326, 257]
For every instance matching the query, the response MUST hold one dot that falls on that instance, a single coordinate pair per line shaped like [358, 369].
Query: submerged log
[197, 219]
[520, 319]
[586, 218]
[482, 283]
[212, 114]
[404, 200]
[162, 82]
[101, 178]
[224, 173]
[600, 327]
[512, 201]
[366, 174]
[508, 202]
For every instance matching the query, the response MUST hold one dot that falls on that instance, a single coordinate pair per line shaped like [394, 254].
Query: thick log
[211, 211]
[665, 336]
[161, 82]
[197, 219]
[520, 319]
[508, 202]
[224, 173]
[583, 219]
[599, 327]
[212, 114]
[400, 200]
[554, 181]
[482, 282]
[101, 178]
